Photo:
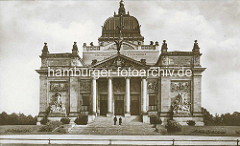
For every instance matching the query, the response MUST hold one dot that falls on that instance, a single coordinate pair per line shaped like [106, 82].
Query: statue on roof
[119, 41]
[121, 10]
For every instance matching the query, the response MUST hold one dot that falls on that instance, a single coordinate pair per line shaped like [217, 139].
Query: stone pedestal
[127, 115]
[146, 119]
[109, 114]
[91, 118]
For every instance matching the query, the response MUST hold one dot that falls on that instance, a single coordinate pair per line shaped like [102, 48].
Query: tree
[17, 119]
[207, 117]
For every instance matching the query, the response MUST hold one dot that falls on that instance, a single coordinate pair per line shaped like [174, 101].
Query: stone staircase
[104, 126]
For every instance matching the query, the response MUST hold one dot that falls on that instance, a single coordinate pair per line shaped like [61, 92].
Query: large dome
[130, 31]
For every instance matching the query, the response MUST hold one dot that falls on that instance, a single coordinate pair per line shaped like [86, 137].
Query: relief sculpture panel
[58, 86]
[181, 97]
[57, 104]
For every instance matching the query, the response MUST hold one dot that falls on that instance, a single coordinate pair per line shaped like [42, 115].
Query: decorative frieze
[179, 86]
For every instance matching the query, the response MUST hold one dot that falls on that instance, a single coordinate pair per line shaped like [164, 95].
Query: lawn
[30, 129]
[207, 130]
[19, 129]
[186, 130]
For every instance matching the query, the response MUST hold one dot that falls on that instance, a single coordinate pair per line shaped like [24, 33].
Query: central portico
[119, 98]
[118, 92]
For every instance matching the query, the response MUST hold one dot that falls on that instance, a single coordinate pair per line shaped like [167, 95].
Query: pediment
[119, 60]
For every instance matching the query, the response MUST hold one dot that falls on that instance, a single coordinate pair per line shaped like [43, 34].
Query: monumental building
[121, 76]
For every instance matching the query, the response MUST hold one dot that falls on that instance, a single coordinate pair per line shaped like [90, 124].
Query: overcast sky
[26, 25]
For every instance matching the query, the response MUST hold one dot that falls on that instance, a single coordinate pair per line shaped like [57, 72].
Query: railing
[152, 108]
[127, 141]
[84, 108]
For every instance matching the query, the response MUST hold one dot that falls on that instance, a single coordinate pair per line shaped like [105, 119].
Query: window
[86, 101]
[152, 100]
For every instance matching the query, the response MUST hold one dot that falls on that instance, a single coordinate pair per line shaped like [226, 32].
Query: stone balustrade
[148, 47]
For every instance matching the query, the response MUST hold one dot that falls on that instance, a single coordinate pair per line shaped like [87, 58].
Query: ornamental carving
[56, 104]
[197, 60]
[119, 62]
[58, 86]
[74, 62]
[180, 86]
[164, 60]
[152, 86]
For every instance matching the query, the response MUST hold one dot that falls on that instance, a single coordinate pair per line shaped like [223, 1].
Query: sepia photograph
[119, 72]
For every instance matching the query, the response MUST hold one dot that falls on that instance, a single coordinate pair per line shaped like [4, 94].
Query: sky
[26, 25]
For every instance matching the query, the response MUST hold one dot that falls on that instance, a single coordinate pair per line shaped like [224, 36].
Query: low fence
[123, 141]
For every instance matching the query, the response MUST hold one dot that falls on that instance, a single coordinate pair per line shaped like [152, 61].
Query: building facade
[121, 76]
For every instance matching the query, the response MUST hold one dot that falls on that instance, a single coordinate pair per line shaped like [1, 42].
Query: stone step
[104, 125]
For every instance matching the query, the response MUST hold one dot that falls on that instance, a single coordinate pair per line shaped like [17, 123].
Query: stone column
[197, 95]
[145, 117]
[74, 95]
[110, 96]
[94, 96]
[127, 97]
[144, 96]
[43, 98]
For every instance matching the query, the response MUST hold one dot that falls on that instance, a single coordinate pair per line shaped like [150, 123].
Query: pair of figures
[115, 120]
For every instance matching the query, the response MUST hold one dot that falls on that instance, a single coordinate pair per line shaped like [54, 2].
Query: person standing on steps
[120, 121]
[115, 120]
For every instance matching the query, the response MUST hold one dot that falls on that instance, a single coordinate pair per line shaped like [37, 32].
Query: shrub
[65, 120]
[173, 126]
[155, 120]
[81, 120]
[44, 120]
[191, 123]
[50, 126]
[237, 132]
